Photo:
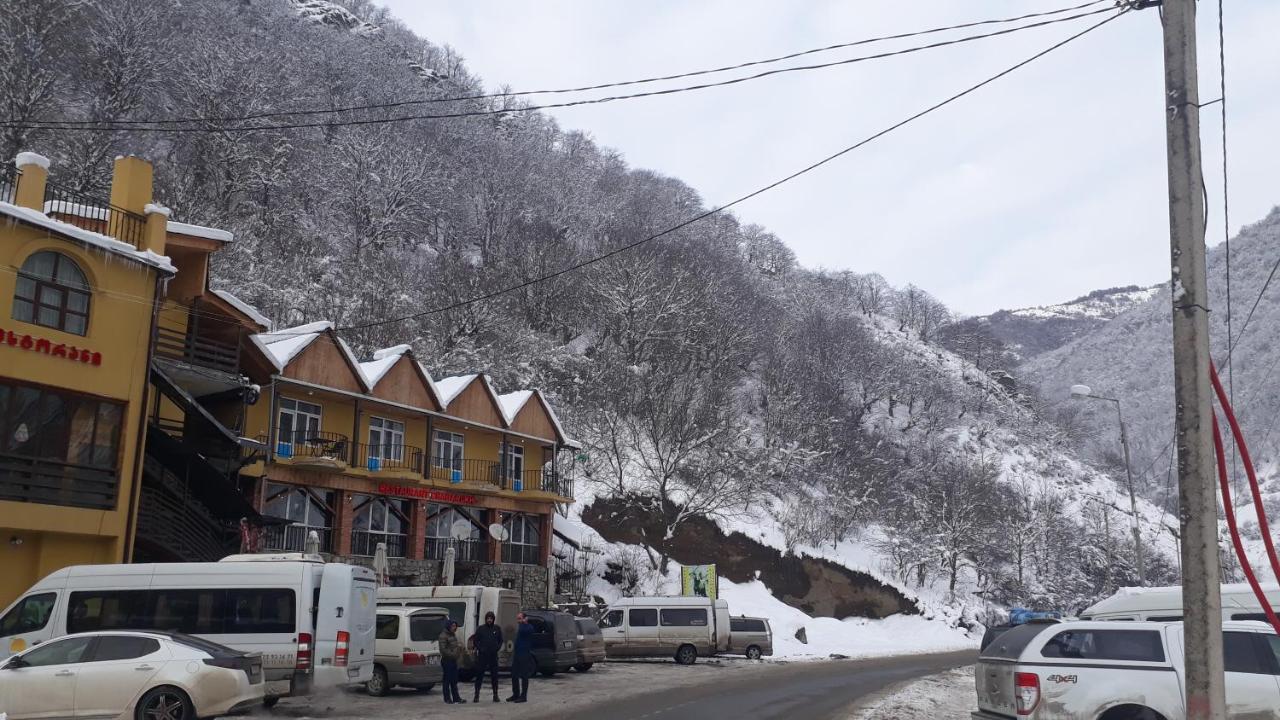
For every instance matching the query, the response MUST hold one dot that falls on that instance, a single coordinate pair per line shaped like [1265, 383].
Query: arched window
[52, 291]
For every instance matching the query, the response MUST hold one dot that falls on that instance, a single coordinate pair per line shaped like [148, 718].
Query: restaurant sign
[35, 344]
[421, 493]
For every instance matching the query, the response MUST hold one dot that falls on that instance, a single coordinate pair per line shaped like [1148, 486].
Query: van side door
[614, 632]
[642, 631]
[686, 626]
[27, 623]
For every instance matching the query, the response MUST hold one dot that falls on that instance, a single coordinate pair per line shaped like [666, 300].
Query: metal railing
[9, 183]
[199, 351]
[477, 471]
[388, 457]
[541, 479]
[557, 482]
[37, 480]
[293, 538]
[89, 213]
[521, 554]
[366, 543]
[312, 444]
[473, 551]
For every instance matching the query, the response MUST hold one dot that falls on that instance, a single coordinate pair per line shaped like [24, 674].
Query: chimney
[131, 184]
[34, 170]
[157, 228]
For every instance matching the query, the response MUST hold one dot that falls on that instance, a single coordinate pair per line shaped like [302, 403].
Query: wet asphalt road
[812, 691]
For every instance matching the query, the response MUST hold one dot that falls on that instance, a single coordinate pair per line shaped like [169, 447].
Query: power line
[744, 198]
[102, 126]
[585, 88]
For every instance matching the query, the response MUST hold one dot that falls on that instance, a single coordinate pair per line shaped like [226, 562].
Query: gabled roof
[248, 311]
[512, 403]
[451, 388]
[387, 358]
[283, 346]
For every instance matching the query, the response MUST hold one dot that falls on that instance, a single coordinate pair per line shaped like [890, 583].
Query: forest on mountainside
[706, 372]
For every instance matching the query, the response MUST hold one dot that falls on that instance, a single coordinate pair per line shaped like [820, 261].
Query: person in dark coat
[450, 654]
[523, 664]
[487, 642]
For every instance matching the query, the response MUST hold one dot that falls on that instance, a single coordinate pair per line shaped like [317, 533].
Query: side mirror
[15, 663]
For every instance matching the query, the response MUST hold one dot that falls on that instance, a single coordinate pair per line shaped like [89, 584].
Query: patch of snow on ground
[948, 695]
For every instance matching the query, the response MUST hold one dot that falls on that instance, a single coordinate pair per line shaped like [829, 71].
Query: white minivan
[312, 621]
[679, 627]
[1164, 604]
[466, 604]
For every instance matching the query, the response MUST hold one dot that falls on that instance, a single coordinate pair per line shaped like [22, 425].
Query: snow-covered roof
[512, 403]
[282, 346]
[199, 231]
[451, 386]
[250, 311]
[88, 237]
[383, 360]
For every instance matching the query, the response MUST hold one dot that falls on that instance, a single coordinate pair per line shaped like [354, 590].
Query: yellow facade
[40, 537]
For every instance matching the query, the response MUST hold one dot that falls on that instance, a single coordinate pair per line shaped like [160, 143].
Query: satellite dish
[499, 532]
[460, 530]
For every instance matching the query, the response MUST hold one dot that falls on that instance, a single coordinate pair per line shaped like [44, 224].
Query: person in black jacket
[488, 642]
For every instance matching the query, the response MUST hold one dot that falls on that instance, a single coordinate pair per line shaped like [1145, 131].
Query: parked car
[311, 620]
[555, 640]
[679, 627]
[129, 674]
[1164, 604]
[590, 644]
[1108, 671]
[750, 636]
[408, 651]
[467, 604]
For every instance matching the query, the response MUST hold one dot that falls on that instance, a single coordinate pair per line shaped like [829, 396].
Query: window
[745, 625]
[513, 456]
[643, 617]
[388, 627]
[379, 520]
[1165, 618]
[613, 618]
[1241, 653]
[1259, 617]
[425, 628]
[59, 426]
[123, 647]
[52, 291]
[524, 545]
[299, 420]
[1135, 645]
[684, 617]
[307, 508]
[204, 611]
[59, 652]
[447, 452]
[386, 439]
[457, 611]
[261, 611]
[30, 614]
[1273, 646]
[586, 626]
[441, 521]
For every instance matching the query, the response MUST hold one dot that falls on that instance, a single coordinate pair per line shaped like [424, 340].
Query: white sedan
[129, 675]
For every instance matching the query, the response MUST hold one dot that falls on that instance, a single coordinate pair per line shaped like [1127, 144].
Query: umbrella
[381, 567]
[312, 546]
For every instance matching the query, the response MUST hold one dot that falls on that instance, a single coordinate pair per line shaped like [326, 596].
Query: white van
[312, 621]
[1164, 604]
[679, 627]
[467, 604]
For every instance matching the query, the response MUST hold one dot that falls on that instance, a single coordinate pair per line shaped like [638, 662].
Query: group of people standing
[486, 644]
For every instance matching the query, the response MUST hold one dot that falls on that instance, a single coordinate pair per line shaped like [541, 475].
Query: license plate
[433, 659]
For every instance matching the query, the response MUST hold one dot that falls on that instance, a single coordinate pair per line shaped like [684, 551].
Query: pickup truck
[1118, 671]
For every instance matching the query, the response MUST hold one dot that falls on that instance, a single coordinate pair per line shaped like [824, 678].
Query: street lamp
[1083, 392]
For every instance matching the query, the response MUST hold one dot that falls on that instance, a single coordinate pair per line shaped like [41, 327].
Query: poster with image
[698, 581]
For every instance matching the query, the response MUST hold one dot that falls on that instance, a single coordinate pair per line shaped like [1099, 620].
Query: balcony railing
[388, 457]
[37, 480]
[521, 554]
[8, 183]
[475, 471]
[557, 482]
[293, 538]
[541, 479]
[473, 551]
[366, 543]
[312, 444]
[89, 213]
[197, 351]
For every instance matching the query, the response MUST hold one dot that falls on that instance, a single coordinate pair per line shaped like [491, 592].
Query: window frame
[513, 456]
[454, 443]
[386, 429]
[631, 614]
[21, 605]
[604, 619]
[63, 292]
[90, 642]
[678, 612]
[295, 412]
[1093, 635]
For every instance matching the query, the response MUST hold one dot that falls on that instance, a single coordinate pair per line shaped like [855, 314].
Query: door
[1252, 691]
[614, 632]
[27, 623]
[45, 684]
[642, 631]
[119, 672]
[685, 626]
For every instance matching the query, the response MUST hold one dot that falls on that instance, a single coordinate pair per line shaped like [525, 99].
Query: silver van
[679, 627]
[407, 649]
[750, 636]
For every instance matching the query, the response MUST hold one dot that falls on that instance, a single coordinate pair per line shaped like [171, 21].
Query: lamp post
[1082, 392]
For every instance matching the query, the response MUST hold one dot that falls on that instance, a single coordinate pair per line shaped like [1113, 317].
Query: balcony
[540, 480]
[293, 538]
[486, 472]
[366, 543]
[198, 351]
[38, 480]
[94, 215]
[470, 551]
[8, 183]
[313, 448]
[388, 458]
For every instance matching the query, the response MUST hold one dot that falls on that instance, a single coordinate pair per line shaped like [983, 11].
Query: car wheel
[687, 655]
[270, 701]
[583, 667]
[165, 703]
[377, 685]
[753, 653]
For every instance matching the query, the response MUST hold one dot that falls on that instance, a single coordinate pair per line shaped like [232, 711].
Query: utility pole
[1198, 504]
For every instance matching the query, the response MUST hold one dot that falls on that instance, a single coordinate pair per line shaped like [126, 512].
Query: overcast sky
[1034, 190]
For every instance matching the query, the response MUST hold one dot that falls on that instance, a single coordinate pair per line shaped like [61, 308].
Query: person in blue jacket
[523, 664]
